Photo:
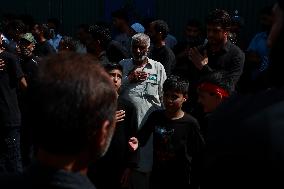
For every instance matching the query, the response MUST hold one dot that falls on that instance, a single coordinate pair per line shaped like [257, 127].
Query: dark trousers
[10, 150]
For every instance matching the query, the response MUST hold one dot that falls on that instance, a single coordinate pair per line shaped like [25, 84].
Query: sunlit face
[276, 26]
[216, 34]
[139, 51]
[116, 76]
[208, 101]
[173, 100]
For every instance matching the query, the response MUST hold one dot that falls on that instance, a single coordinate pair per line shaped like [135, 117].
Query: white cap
[138, 28]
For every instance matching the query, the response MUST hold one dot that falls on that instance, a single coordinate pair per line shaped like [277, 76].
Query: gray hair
[141, 38]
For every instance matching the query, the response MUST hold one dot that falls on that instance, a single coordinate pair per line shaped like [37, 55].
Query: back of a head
[161, 26]
[219, 17]
[72, 97]
[176, 84]
[101, 33]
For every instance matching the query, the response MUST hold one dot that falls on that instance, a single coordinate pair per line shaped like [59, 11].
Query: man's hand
[197, 59]
[119, 115]
[2, 65]
[137, 76]
[133, 143]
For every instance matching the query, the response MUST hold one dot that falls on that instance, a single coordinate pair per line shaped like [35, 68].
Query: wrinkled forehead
[139, 42]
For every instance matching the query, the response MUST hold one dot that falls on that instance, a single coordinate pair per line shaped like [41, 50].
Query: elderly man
[142, 83]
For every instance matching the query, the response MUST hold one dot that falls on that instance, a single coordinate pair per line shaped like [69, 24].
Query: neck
[160, 44]
[175, 115]
[140, 63]
[42, 39]
[71, 163]
[218, 47]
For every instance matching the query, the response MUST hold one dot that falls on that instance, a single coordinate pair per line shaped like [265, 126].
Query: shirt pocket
[151, 89]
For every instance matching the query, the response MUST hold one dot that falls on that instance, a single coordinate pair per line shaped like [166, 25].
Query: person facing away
[112, 170]
[74, 106]
[142, 84]
[245, 136]
[177, 140]
[158, 31]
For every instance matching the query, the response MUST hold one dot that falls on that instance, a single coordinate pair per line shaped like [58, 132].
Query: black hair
[101, 33]
[55, 21]
[72, 97]
[113, 66]
[120, 14]
[177, 84]
[194, 23]
[68, 43]
[219, 17]
[219, 79]
[161, 26]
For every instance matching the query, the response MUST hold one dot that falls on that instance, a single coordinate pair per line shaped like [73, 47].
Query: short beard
[140, 59]
[101, 152]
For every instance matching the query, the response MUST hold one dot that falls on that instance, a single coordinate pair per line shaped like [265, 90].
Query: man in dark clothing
[11, 77]
[42, 47]
[158, 31]
[112, 170]
[219, 53]
[29, 63]
[245, 135]
[73, 107]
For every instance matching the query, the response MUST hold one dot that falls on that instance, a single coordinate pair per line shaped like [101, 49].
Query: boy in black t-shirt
[112, 170]
[177, 140]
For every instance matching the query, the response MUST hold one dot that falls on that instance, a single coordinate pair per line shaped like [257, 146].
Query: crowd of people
[134, 108]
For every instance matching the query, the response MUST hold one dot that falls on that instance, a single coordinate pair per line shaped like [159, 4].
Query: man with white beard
[142, 83]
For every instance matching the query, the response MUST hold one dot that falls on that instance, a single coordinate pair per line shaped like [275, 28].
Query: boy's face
[173, 100]
[116, 76]
[208, 101]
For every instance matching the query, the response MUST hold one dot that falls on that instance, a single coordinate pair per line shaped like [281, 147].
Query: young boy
[177, 140]
[212, 90]
[112, 170]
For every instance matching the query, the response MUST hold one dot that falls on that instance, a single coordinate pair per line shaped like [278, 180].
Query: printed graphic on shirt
[152, 78]
[163, 144]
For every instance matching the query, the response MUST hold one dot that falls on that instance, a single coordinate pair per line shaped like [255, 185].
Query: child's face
[116, 77]
[173, 100]
[208, 101]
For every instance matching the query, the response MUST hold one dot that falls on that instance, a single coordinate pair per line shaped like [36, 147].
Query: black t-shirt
[9, 78]
[165, 56]
[30, 68]
[177, 148]
[44, 49]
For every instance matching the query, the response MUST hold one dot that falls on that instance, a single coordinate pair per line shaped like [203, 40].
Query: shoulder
[155, 63]
[190, 119]
[13, 181]
[9, 56]
[125, 62]
[125, 104]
